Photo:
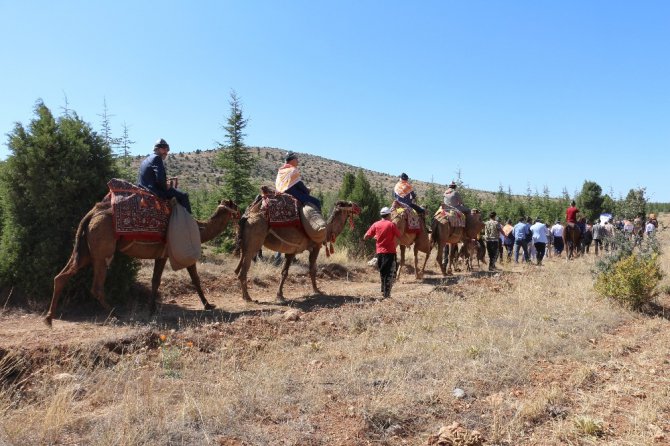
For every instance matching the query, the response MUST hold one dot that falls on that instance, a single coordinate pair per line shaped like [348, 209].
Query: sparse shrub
[631, 281]
[628, 275]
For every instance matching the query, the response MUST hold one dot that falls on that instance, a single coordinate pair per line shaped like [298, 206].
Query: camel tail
[80, 247]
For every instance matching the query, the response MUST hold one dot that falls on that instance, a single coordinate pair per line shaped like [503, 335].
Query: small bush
[631, 281]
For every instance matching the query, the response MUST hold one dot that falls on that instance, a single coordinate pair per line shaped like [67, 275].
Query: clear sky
[523, 94]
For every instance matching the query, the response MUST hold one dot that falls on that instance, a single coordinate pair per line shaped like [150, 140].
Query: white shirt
[539, 232]
[557, 230]
[650, 228]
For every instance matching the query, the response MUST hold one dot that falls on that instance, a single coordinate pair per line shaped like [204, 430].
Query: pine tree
[235, 158]
[57, 169]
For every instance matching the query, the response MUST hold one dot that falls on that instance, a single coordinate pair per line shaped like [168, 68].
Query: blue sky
[523, 94]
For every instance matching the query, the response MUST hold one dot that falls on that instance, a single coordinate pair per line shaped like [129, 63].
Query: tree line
[59, 166]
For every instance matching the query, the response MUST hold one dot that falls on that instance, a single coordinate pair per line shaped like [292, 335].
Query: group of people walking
[527, 238]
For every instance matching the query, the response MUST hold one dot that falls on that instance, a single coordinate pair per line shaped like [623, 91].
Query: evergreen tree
[123, 160]
[433, 198]
[57, 169]
[635, 204]
[348, 183]
[609, 205]
[235, 158]
[590, 200]
[370, 204]
[106, 127]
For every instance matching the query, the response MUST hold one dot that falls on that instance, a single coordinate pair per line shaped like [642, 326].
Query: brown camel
[255, 232]
[444, 234]
[420, 241]
[95, 244]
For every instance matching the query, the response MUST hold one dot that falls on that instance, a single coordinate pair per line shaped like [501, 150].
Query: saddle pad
[455, 217]
[281, 210]
[411, 217]
[137, 213]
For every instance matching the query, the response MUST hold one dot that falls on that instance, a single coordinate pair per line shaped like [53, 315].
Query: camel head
[342, 211]
[225, 212]
[229, 206]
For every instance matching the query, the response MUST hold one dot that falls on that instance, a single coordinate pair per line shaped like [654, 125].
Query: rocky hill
[198, 170]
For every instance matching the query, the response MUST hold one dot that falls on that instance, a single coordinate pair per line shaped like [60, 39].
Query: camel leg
[195, 278]
[159, 266]
[98, 287]
[61, 280]
[399, 265]
[440, 259]
[417, 273]
[313, 255]
[284, 275]
[423, 268]
[241, 271]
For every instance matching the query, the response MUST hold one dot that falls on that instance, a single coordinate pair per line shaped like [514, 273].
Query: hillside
[197, 170]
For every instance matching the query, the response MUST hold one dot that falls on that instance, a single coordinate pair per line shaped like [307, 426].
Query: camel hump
[313, 223]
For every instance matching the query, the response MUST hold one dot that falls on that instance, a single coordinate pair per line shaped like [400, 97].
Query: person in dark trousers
[153, 176]
[492, 231]
[385, 232]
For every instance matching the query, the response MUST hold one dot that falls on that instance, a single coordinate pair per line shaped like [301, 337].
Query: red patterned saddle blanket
[137, 213]
[281, 210]
[455, 217]
[413, 220]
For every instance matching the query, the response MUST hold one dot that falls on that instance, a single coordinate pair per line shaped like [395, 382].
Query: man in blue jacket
[153, 176]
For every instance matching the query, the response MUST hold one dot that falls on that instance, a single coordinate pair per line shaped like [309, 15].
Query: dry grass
[540, 358]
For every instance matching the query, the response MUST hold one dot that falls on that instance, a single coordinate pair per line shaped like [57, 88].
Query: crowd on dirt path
[528, 241]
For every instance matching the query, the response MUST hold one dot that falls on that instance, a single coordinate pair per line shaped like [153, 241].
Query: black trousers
[540, 248]
[492, 249]
[386, 263]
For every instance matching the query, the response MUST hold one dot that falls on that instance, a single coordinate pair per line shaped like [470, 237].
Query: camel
[96, 244]
[571, 240]
[420, 241]
[255, 232]
[443, 234]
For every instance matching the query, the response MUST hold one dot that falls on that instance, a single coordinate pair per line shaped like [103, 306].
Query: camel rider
[153, 176]
[404, 193]
[571, 215]
[452, 198]
[290, 182]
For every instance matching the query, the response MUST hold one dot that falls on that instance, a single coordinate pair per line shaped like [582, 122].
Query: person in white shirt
[557, 232]
[539, 231]
[650, 229]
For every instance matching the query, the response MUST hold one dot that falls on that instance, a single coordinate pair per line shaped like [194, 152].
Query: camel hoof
[281, 299]
[317, 291]
[209, 307]
[47, 321]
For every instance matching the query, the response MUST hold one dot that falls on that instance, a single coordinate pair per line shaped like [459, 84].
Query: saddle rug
[411, 217]
[455, 217]
[281, 210]
[137, 213]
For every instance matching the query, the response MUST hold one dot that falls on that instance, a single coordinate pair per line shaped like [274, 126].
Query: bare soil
[630, 365]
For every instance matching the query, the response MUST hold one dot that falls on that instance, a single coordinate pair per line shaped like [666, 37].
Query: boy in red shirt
[386, 233]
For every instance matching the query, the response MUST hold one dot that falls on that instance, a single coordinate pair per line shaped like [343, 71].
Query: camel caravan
[152, 220]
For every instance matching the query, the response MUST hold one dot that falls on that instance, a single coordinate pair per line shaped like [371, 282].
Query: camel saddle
[406, 212]
[455, 217]
[280, 209]
[137, 213]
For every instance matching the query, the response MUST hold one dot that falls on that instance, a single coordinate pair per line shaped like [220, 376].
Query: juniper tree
[57, 169]
[590, 200]
[363, 194]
